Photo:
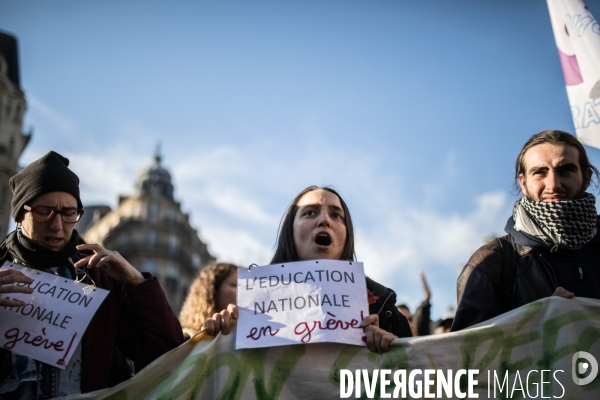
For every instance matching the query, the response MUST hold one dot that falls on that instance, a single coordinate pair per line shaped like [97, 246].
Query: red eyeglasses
[44, 214]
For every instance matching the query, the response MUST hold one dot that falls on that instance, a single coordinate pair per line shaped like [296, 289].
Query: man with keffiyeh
[553, 241]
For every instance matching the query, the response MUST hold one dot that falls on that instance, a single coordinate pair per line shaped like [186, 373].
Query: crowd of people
[551, 248]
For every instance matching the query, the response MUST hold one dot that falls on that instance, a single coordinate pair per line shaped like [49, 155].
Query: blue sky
[414, 110]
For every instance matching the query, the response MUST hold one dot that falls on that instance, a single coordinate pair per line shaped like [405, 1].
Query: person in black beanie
[135, 319]
[50, 173]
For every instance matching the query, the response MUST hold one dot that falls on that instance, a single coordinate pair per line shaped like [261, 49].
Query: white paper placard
[301, 302]
[50, 325]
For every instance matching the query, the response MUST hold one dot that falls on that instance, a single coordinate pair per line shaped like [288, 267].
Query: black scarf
[28, 253]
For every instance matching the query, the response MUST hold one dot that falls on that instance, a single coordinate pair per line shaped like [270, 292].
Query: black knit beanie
[48, 174]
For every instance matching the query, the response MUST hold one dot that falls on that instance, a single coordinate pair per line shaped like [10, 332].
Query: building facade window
[171, 214]
[171, 271]
[173, 242]
[149, 266]
[171, 281]
[135, 210]
[17, 114]
[127, 238]
[153, 209]
[196, 260]
[151, 239]
[11, 147]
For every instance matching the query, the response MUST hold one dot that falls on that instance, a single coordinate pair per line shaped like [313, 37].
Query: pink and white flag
[577, 36]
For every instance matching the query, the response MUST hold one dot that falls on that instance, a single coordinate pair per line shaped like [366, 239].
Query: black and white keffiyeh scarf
[569, 224]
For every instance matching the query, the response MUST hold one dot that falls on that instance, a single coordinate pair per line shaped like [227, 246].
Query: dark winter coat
[390, 319]
[137, 320]
[518, 269]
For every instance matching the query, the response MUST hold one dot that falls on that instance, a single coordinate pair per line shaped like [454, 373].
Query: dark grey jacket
[518, 269]
[390, 319]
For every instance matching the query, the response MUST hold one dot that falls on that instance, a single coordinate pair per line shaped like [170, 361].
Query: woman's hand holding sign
[378, 340]
[220, 321]
[110, 262]
[8, 278]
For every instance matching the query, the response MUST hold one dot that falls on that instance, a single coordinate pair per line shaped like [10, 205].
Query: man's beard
[578, 195]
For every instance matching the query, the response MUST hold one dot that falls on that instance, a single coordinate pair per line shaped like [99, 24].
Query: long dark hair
[286, 250]
[556, 138]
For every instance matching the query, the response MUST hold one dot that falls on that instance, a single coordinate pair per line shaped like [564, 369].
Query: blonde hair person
[212, 290]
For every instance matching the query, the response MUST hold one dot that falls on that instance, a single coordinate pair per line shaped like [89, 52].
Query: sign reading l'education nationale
[301, 302]
[50, 325]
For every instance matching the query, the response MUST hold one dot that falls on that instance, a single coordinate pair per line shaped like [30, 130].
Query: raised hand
[111, 263]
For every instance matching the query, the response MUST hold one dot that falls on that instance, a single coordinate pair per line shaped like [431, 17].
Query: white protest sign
[301, 302]
[49, 327]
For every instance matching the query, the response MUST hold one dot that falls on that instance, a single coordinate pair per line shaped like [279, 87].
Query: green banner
[526, 353]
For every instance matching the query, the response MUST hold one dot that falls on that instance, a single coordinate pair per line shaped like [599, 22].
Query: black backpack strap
[509, 268]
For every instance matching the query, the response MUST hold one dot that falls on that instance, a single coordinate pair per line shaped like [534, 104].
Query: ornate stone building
[152, 233]
[12, 109]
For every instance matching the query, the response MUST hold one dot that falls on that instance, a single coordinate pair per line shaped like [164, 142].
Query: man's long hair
[556, 138]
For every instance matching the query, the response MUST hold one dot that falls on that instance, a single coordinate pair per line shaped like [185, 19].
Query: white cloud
[106, 174]
[396, 237]
[451, 164]
[238, 246]
[236, 203]
[220, 179]
[232, 201]
[409, 240]
[60, 121]
[411, 237]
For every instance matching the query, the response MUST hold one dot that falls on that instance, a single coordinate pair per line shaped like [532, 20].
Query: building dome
[154, 180]
[151, 231]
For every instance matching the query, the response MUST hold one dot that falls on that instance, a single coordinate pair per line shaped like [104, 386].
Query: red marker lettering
[256, 333]
[14, 335]
[304, 328]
